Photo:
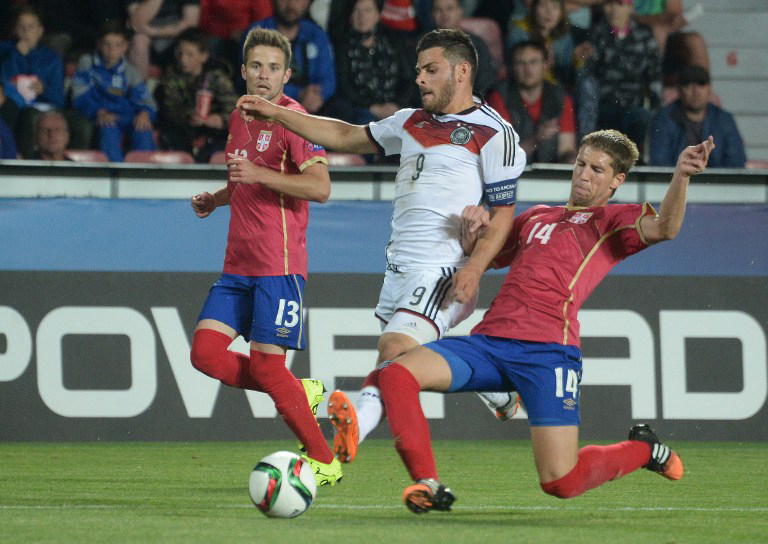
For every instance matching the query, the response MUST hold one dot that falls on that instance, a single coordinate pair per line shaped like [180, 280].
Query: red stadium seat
[220, 157]
[757, 165]
[86, 155]
[488, 30]
[160, 157]
[344, 159]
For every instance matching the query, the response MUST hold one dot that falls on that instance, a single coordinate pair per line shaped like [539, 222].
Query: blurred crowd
[121, 76]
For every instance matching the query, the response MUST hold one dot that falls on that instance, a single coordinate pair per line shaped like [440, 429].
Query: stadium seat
[86, 155]
[220, 157]
[757, 165]
[160, 157]
[344, 159]
[488, 30]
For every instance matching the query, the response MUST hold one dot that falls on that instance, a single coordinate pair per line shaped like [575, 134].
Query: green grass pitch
[197, 492]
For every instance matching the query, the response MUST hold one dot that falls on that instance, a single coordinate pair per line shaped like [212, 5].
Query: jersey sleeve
[626, 219]
[502, 161]
[387, 133]
[303, 153]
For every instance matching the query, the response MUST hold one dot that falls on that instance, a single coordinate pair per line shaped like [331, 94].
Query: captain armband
[501, 193]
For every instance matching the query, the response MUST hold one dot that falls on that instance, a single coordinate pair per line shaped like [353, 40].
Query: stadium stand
[86, 155]
[738, 52]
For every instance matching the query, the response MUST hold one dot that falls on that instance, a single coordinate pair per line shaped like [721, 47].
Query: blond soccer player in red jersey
[272, 174]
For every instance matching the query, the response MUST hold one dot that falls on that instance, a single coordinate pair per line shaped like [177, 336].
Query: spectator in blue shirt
[693, 116]
[108, 90]
[313, 71]
[32, 74]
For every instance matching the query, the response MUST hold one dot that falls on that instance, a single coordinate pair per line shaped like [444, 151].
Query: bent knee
[392, 345]
[207, 349]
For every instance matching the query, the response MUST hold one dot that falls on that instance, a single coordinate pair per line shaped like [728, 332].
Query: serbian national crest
[460, 135]
[262, 142]
[580, 218]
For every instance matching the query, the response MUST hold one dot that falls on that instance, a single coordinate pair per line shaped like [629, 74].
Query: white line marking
[399, 507]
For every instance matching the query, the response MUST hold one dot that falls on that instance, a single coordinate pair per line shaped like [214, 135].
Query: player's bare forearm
[666, 225]
[488, 244]
[313, 183]
[329, 133]
[492, 238]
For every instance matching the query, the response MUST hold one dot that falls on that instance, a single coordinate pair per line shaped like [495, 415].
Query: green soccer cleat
[325, 474]
[314, 390]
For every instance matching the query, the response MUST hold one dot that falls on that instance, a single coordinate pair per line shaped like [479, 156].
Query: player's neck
[460, 103]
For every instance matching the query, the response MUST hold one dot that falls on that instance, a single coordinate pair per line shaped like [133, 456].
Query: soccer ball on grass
[282, 485]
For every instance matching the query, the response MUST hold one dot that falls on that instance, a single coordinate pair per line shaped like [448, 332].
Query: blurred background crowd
[122, 78]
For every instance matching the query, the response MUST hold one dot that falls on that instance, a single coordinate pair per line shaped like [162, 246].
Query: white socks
[369, 410]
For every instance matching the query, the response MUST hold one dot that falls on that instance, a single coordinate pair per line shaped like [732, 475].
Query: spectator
[195, 98]
[623, 73]
[547, 22]
[71, 25]
[449, 14]
[691, 116]
[107, 89]
[7, 143]
[51, 137]
[313, 72]
[412, 17]
[540, 111]
[32, 74]
[156, 24]
[225, 20]
[9, 111]
[374, 71]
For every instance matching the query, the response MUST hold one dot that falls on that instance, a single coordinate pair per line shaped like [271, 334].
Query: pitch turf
[197, 492]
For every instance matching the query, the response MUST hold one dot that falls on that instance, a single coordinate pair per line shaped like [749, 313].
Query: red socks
[272, 376]
[400, 393]
[211, 356]
[263, 372]
[597, 465]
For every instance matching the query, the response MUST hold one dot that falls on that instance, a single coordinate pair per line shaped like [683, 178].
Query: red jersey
[557, 255]
[267, 229]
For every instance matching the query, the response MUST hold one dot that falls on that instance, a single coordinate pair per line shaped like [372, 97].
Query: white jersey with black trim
[446, 163]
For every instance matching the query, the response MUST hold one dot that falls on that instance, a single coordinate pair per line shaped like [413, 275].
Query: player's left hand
[693, 159]
[465, 284]
[241, 170]
[473, 220]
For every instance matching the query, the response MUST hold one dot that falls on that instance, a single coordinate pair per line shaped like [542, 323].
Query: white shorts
[411, 303]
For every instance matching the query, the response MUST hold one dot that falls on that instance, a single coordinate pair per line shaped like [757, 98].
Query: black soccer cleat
[663, 460]
[428, 494]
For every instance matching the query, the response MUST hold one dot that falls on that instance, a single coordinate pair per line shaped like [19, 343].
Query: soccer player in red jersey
[272, 174]
[529, 339]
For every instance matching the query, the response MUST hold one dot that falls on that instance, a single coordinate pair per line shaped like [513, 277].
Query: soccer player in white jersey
[455, 152]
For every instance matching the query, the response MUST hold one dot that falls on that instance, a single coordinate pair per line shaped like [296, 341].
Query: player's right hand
[255, 108]
[473, 220]
[203, 204]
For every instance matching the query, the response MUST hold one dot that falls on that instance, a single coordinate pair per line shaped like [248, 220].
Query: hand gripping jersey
[557, 255]
[267, 229]
[446, 163]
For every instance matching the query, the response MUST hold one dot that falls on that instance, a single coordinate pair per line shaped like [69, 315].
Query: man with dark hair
[272, 174]
[51, 137]
[313, 72]
[689, 118]
[454, 152]
[541, 112]
[528, 341]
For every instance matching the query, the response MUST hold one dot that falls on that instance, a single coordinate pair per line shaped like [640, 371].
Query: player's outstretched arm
[327, 132]
[204, 203]
[666, 225]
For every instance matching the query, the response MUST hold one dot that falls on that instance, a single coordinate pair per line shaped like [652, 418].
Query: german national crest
[262, 142]
[460, 135]
[580, 218]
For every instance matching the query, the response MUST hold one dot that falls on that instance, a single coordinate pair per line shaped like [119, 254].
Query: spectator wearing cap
[693, 118]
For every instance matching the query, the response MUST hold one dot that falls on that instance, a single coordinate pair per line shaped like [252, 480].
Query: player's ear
[618, 180]
[242, 71]
[463, 71]
[286, 76]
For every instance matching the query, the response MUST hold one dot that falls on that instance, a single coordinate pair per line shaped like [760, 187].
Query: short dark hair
[457, 45]
[197, 37]
[111, 26]
[529, 44]
[693, 74]
[618, 146]
[269, 38]
[562, 25]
